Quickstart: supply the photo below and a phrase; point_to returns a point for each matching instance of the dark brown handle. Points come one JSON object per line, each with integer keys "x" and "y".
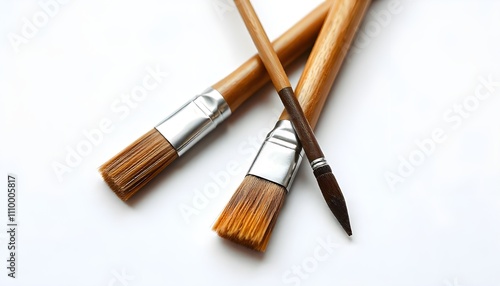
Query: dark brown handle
{"x": 300, "y": 124}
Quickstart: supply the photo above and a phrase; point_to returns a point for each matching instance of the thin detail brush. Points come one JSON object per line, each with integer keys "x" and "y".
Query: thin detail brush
{"x": 131, "y": 169}
{"x": 250, "y": 215}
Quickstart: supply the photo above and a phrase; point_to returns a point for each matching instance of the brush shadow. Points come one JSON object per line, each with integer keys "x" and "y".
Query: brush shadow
{"x": 101, "y": 184}
{"x": 239, "y": 249}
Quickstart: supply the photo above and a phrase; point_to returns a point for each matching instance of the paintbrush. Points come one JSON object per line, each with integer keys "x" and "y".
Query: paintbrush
{"x": 322, "y": 171}
{"x": 136, "y": 165}
{"x": 250, "y": 215}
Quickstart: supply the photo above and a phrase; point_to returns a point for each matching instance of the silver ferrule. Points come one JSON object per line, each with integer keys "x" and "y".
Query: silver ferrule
{"x": 318, "y": 163}
{"x": 194, "y": 120}
{"x": 279, "y": 156}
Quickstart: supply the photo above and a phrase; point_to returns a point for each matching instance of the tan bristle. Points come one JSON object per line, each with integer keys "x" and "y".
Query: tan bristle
{"x": 249, "y": 217}
{"x": 132, "y": 168}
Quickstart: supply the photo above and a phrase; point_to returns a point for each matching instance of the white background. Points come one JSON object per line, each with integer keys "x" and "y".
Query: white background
{"x": 438, "y": 227}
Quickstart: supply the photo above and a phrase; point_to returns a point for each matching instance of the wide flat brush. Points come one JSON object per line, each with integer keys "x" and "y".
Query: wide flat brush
{"x": 252, "y": 212}
{"x": 322, "y": 171}
{"x": 136, "y": 165}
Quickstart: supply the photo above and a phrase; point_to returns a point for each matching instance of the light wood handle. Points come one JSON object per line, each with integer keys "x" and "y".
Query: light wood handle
{"x": 237, "y": 87}
{"x": 263, "y": 45}
{"x": 327, "y": 56}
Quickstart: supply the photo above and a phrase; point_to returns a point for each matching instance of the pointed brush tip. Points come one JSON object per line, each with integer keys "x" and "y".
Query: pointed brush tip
{"x": 343, "y": 220}
{"x": 348, "y": 230}
{"x": 333, "y": 197}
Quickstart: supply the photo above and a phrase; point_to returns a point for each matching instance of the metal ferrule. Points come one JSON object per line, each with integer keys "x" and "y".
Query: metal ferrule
{"x": 318, "y": 163}
{"x": 194, "y": 120}
{"x": 279, "y": 156}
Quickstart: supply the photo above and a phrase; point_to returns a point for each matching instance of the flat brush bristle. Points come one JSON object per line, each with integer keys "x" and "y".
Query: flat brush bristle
{"x": 131, "y": 169}
{"x": 249, "y": 217}
{"x": 333, "y": 196}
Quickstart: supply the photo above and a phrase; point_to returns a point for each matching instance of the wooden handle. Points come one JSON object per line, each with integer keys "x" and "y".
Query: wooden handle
{"x": 327, "y": 56}
{"x": 263, "y": 45}
{"x": 280, "y": 80}
{"x": 237, "y": 87}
